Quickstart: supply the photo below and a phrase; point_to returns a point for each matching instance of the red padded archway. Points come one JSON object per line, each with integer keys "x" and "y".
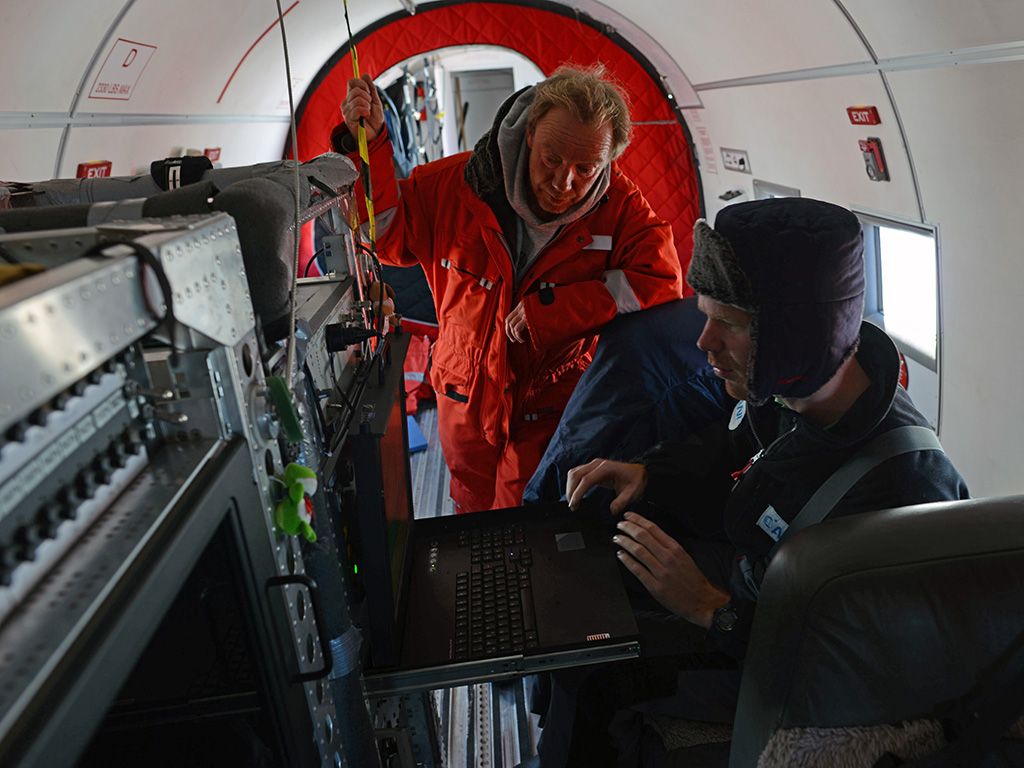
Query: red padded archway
{"x": 658, "y": 159}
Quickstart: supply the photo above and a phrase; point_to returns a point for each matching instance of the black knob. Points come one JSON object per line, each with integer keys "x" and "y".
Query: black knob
{"x": 49, "y": 519}
{"x": 117, "y": 454}
{"x": 16, "y": 432}
{"x": 133, "y": 442}
{"x": 26, "y": 539}
{"x": 102, "y": 469}
{"x": 39, "y": 416}
{"x": 8, "y": 562}
{"x": 85, "y": 485}
{"x": 67, "y": 502}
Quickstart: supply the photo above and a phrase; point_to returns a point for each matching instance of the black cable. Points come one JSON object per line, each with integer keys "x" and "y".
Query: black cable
{"x": 311, "y": 392}
{"x": 147, "y": 258}
{"x": 378, "y": 271}
{"x": 305, "y": 272}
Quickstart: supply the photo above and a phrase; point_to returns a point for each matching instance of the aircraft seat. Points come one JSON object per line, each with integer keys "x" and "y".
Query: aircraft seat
{"x": 873, "y": 630}
{"x": 878, "y": 633}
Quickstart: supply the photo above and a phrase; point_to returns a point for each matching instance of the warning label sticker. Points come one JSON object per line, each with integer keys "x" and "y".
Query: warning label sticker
{"x": 121, "y": 70}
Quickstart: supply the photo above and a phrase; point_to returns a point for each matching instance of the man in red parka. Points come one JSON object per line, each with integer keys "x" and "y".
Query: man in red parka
{"x": 530, "y": 243}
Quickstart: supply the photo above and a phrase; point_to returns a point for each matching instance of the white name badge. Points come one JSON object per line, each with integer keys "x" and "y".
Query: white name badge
{"x": 600, "y": 243}
{"x": 772, "y": 523}
{"x": 737, "y": 415}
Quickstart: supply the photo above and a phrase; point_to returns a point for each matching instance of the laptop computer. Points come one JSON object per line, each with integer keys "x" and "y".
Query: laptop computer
{"x": 450, "y": 600}
{"x": 506, "y": 592}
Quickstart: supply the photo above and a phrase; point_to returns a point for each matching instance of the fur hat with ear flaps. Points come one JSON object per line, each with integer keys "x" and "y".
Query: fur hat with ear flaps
{"x": 798, "y": 266}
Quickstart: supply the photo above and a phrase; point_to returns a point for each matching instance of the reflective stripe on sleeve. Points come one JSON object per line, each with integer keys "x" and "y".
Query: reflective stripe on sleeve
{"x": 384, "y": 220}
{"x": 618, "y": 286}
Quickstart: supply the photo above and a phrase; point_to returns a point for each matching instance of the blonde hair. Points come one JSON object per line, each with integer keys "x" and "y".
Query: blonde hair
{"x": 590, "y": 97}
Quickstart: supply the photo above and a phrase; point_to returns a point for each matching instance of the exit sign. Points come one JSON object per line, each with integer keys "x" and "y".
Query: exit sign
{"x": 95, "y": 169}
{"x": 863, "y": 115}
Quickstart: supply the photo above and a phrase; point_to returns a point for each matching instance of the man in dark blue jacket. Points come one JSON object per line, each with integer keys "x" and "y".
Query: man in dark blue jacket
{"x": 781, "y": 283}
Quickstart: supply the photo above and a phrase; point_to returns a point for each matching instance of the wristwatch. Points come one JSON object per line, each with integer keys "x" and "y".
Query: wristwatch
{"x": 725, "y": 618}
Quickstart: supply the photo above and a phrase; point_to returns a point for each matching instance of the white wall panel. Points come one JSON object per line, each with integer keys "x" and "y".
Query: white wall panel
{"x": 132, "y": 148}
{"x": 797, "y": 134}
{"x": 909, "y": 27}
{"x": 964, "y": 126}
{"x": 715, "y": 40}
{"x": 45, "y": 47}
{"x": 198, "y": 51}
{"x": 27, "y": 155}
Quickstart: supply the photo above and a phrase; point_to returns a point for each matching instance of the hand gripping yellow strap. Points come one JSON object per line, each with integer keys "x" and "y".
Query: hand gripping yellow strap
{"x": 364, "y": 152}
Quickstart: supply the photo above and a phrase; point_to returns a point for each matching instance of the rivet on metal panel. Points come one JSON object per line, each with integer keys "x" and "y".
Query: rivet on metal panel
{"x": 31, "y": 318}
{"x": 69, "y": 301}
{"x": 84, "y": 293}
{"x": 7, "y": 331}
{"x": 129, "y": 273}
{"x": 50, "y": 309}
{"x": 116, "y": 279}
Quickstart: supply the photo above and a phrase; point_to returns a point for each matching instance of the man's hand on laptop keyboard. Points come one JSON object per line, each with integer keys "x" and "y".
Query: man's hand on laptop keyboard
{"x": 628, "y": 481}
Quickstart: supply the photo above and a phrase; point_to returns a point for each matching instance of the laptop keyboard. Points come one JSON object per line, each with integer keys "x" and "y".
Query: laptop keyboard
{"x": 494, "y": 610}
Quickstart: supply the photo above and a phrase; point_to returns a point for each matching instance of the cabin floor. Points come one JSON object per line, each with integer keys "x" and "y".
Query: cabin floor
{"x": 487, "y": 725}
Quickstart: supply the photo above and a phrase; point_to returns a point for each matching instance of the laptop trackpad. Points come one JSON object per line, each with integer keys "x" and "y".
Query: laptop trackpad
{"x": 567, "y": 542}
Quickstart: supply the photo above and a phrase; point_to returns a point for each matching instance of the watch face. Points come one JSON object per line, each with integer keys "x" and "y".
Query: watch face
{"x": 725, "y": 618}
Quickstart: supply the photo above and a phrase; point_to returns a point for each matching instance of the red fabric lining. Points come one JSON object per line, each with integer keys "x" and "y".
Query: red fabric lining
{"x": 658, "y": 159}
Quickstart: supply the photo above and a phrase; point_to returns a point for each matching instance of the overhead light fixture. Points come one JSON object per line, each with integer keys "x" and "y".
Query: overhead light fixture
{"x": 409, "y": 5}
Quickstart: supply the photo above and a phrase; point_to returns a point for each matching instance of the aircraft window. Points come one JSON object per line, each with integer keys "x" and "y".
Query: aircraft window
{"x": 902, "y": 271}
{"x": 901, "y": 262}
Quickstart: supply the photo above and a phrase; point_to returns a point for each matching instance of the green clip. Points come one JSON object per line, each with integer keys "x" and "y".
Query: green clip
{"x": 284, "y": 406}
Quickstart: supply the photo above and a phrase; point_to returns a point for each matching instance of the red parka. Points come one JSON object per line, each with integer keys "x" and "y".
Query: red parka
{"x": 499, "y": 402}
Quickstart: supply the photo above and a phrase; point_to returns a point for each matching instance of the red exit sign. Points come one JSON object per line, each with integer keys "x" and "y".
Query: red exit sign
{"x": 863, "y": 115}
{"x": 95, "y": 169}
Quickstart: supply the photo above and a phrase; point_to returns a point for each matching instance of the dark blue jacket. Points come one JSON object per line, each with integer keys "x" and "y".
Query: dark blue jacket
{"x": 647, "y": 383}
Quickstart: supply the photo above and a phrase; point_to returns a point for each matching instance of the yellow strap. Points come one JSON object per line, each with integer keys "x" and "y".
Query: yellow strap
{"x": 364, "y": 151}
